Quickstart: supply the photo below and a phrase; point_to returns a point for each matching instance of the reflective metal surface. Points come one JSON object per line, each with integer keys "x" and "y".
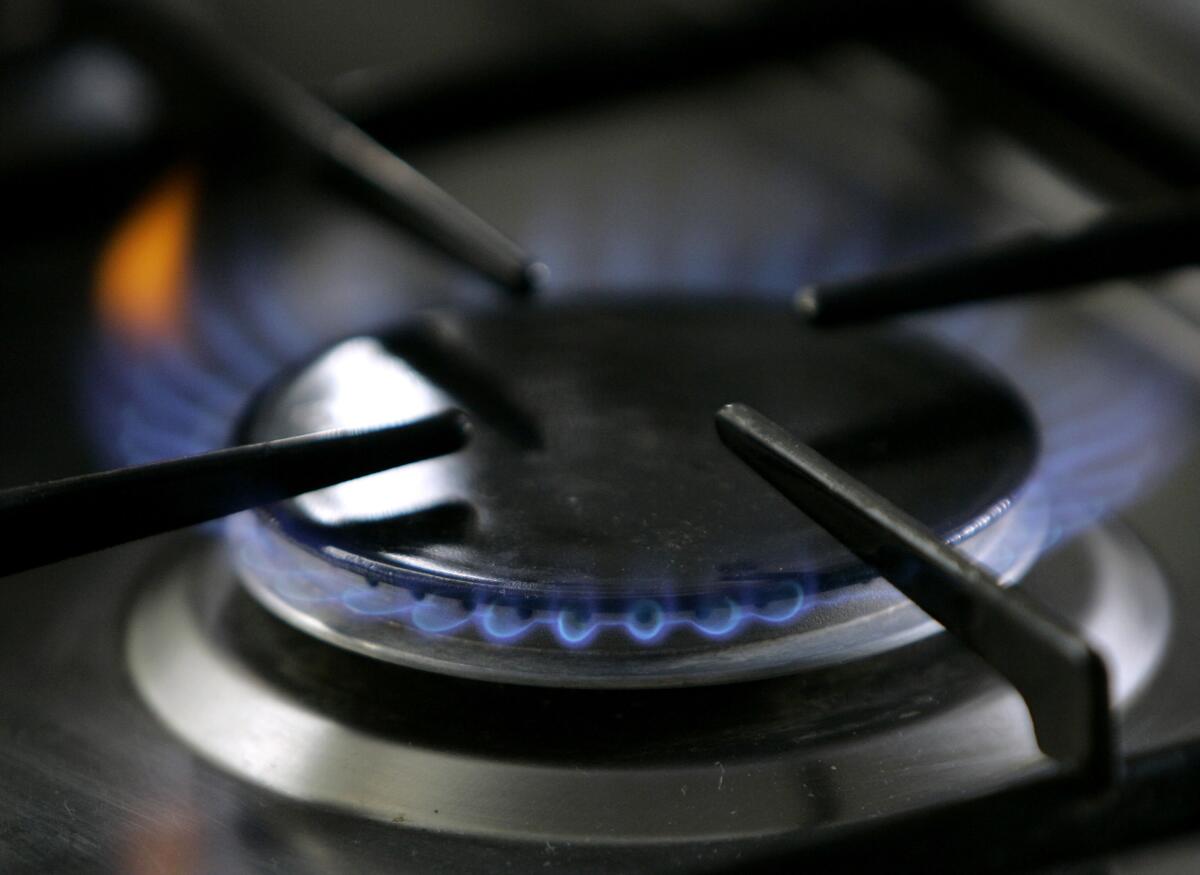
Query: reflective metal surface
{"x": 308, "y": 721}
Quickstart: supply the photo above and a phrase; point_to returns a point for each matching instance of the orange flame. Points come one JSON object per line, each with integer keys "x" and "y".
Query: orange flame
{"x": 142, "y": 274}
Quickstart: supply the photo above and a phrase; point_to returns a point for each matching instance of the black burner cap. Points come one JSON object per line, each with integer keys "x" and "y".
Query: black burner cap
{"x": 595, "y": 470}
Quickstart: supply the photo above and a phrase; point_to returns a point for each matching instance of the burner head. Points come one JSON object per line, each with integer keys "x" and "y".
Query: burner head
{"x": 595, "y": 520}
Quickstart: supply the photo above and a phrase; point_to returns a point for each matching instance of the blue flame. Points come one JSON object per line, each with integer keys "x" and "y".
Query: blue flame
{"x": 299, "y": 577}
{"x": 1111, "y": 424}
{"x": 1112, "y": 419}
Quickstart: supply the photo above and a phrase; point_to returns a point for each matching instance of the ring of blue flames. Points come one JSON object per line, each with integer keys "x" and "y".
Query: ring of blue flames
{"x": 301, "y": 579}
{"x": 1112, "y": 419}
{"x": 297, "y": 575}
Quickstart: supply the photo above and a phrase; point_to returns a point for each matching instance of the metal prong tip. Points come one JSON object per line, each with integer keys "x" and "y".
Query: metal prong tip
{"x": 534, "y": 278}
{"x": 807, "y": 303}
{"x": 459, "y": 426}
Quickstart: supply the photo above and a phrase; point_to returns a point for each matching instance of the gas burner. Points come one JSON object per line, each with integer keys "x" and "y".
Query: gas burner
{"x": 595, "y": 533}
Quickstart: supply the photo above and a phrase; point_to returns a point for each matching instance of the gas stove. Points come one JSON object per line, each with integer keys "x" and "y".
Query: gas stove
{"x": 651, "y": 567}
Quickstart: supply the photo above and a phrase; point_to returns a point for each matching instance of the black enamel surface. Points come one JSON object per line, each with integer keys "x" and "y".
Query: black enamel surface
{"x": 594, "y": 469}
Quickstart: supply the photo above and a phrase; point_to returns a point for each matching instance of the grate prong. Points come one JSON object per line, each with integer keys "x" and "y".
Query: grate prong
{"x": 191, "y": 55}
{"x": 46, "y": 522}
{"x": 1061, "y": 677}
{"x": 1128, "y": 242}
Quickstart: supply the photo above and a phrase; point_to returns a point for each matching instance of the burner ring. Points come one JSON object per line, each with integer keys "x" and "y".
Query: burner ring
{"x": 289, "y": 715}
{"x": 595, "y": 509}
{"x": 852, "y": 623}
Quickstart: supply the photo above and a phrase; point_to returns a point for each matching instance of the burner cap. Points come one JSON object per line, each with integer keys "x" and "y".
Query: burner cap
{"x": 595, "y": 486}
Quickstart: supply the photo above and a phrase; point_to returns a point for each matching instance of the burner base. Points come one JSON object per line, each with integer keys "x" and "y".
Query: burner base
{"x": 286, "y": 712}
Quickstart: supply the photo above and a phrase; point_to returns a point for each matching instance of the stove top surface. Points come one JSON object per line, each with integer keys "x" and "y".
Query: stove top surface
{"x": 269, "y": 694}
